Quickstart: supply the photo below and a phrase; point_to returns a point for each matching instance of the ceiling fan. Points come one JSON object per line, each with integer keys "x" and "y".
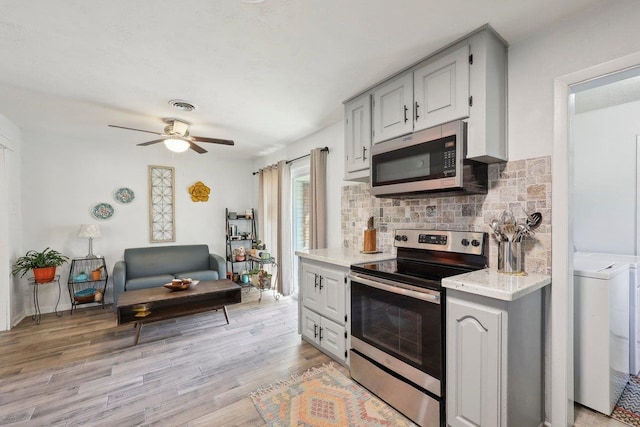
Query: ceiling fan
{"x": 177, "y": 138}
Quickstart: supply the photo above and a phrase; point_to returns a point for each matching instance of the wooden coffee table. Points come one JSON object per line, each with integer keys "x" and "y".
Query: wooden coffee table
{"x": 165, "y": 304}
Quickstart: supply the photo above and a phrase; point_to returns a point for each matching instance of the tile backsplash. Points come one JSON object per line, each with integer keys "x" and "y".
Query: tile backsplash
{"x": 516, "y": 185}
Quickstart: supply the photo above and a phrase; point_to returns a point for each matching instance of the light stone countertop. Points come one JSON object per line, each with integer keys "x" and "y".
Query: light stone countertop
{"x": 342, "y": 256}
{"x": 490, "y": 283}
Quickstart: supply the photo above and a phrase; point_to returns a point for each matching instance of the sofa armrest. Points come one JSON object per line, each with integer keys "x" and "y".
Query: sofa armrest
{"x": 119, "y": 279}
{"x": 216, "y": 262}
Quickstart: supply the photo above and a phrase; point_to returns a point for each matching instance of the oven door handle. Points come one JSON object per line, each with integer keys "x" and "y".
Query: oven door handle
{"x": 397, "y": 288}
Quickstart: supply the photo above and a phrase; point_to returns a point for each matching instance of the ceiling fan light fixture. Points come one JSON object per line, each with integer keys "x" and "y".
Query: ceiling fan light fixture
{"x": 176, "y": 145}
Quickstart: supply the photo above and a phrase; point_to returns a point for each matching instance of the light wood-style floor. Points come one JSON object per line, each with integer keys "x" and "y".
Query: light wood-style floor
{"x": 585, "y": 417}
{"x": 196, "y": 371}
{"x": 82, "y": 369}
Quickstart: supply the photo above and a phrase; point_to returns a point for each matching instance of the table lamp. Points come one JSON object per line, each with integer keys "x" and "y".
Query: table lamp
{"x": 90, "y": 231}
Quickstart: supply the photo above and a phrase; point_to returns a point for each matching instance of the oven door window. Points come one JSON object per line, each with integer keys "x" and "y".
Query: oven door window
{"x": 407, "y": 328}
{"x": 420, "y": 162}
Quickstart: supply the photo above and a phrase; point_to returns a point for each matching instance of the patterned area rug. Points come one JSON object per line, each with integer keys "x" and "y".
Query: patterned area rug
{"x": 627, "y": 410}
{"x": 323, "y": 397}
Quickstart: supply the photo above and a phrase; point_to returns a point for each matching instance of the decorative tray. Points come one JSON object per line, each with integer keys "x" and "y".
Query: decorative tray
{"x": 84, "y": 295}
{"x": 181, "y": 286}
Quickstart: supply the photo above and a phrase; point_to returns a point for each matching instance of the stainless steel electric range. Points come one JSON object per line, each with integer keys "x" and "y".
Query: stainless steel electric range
{"x": 398, "y": 319}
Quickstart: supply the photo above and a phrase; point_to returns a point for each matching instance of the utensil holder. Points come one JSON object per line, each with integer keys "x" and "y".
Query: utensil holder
{"x": 510, "y": 257}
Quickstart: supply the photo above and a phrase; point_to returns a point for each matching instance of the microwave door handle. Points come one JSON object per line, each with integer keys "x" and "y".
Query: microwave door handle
{"x": 398, "y": 289}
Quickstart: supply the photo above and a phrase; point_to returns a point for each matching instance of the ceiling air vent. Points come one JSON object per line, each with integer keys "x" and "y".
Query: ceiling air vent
{"x": 181, "y": 105}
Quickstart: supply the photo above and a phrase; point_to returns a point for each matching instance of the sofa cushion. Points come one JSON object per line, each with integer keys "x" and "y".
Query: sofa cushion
{"x": 199, "y": 275}
{"x": 148, "y": 282}
{"x": 144, "y": 262}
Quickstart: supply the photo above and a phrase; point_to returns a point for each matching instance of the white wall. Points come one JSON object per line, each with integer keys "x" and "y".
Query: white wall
{"x": 332, "y": 137}
{"x": 604, "y": 193}
{"x": 11, "y": 304}
{"x": 604, "y": 32}
{"x": 62, "y": 179}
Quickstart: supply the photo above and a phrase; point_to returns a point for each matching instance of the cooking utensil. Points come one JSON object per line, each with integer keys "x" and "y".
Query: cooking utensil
{"x": 522, "y": 230}
{"x": 497, "y": 232}
{"x": 508, "y": 223}
{"x": 533, "y": 220}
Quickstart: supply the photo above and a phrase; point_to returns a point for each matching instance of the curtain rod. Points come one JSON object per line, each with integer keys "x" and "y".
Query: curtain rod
{"x": 297, "y": 158}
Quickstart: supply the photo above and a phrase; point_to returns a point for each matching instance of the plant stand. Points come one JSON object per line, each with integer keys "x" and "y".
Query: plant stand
{"x": 261, "y": 286}
{"x": 37, "y": 315}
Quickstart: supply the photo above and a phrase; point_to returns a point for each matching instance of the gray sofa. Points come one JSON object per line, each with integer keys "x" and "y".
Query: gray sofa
{"x": 154, "y": 266}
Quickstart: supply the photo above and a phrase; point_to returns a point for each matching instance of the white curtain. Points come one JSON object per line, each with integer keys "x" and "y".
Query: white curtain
{"x": 274, "y": 221}
{"x": 268, "y": 209}
{"x": 318, "y": 183}
{"x": 285, "y": 250}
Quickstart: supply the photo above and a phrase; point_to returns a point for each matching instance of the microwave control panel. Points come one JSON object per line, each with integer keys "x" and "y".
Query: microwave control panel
{"x": 449, "y": 159}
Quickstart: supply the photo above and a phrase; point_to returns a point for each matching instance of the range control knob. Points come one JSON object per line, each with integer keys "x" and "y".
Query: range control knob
{"x": 475, "y": 243}
{"x": 465, "y": 242}
{"x": 398, "y": 237}
{"x": 405, "y": 238}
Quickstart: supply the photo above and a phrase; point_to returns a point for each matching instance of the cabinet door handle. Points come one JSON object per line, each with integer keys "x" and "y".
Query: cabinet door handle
{"x": 364, "y": 153}
{"x": 406, "y": 119}
{"x": 320, "y": 333}
{"x": 315, "y": 280}
{"x": 417, "y": 106}
{"x": 315, "y": 330}
{"x": 320, "y": 282}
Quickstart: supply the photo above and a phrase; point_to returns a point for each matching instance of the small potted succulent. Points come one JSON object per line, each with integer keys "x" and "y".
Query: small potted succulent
{"x": 43, "y": 264}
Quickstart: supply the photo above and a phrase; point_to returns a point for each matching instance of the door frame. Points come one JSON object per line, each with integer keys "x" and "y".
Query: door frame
{"x": 562, "y": 397}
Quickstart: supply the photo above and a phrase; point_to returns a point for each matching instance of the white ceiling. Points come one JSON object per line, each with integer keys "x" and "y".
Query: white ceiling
{"x": 264, "y": 74}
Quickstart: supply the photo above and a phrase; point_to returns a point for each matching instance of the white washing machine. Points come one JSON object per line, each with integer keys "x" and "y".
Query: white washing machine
{"x": 601, "y": 332}
{"x": 634, "y": 301}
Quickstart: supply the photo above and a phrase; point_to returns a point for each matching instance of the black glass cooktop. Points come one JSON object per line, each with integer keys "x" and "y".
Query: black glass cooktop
{"x": 417, "y": 273}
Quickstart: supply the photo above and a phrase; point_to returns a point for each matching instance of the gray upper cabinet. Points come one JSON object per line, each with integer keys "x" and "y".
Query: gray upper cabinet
{"x": 393, "y": 108}
{"x": 487, "y": 123}
{"x": 441, "y": 90}
{"x": 466, "y": 80}
{"x": 357, "y": 137}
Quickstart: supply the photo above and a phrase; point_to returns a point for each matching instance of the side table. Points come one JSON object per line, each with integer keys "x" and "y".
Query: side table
{"x": 37, "y": 316}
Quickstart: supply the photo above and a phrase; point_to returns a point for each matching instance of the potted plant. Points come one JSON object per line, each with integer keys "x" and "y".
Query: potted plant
{"x": 255, "y": 276}
{"x": 97, "y": 273}
{"x": 42, "y": 263}
{"x": 265, "y": 280}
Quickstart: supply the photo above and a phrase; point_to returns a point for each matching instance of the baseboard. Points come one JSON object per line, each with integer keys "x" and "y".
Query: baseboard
{"x": 18, "y": 318}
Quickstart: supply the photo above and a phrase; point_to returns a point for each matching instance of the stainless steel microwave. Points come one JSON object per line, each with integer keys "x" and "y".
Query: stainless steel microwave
{"x": 428, "y": 161}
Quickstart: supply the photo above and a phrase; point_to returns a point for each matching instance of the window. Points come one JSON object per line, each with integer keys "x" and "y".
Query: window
{"x": 301, "y": 215}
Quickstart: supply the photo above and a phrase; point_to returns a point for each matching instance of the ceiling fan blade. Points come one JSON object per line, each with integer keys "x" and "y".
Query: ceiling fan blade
{"x": 212, "y": 140}
{"x": 155, "y": 141}
{"x": 138, "y": 130}
{"x": 197, "y": 148}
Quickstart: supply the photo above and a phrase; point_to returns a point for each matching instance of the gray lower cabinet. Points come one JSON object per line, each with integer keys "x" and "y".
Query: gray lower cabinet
{"x": 494, "y": 363}
{"x": 324, "y": 307}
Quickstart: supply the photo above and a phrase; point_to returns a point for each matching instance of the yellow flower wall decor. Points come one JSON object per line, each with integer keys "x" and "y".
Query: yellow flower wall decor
{"x": 199, "y": 192}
